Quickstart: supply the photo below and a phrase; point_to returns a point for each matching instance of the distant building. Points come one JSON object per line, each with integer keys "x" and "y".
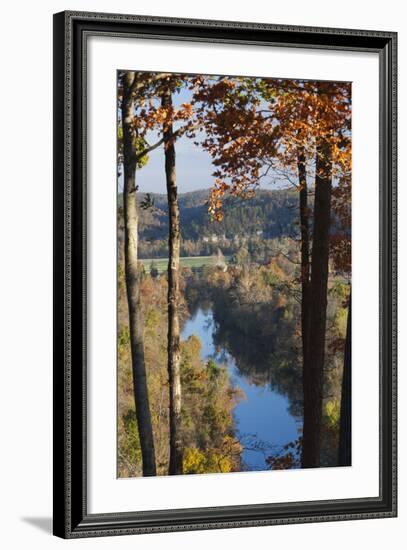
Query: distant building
{"x": 219, "y": 261}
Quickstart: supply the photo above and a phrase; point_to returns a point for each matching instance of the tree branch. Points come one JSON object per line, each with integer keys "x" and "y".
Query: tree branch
{"x": 148, "y": 149}
{"x": 137, "y": 85}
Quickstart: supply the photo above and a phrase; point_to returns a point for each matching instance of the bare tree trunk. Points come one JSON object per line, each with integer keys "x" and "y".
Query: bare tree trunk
{"x": 345, "y": 428}
{"x": 133, "y": 283}
{"x": 305, "y": 254}
{"x": 314, "y": 368}
{"x": 174, "y": 355}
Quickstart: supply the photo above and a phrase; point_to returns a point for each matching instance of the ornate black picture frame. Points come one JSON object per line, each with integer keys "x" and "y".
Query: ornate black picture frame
{"x": 71, "y": 518}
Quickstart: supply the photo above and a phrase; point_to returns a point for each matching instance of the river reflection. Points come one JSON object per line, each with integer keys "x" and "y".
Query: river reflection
{"x": 264, "y": 418}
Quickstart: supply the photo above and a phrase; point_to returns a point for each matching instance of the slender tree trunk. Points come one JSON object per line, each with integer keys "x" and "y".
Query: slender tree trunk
{"x": 314, "y": 368}
{"x": 133, "y": 284}
{"x": 345, "y": 430}
{"x": 305, "y": 251}
{"x": 174, "y": 355}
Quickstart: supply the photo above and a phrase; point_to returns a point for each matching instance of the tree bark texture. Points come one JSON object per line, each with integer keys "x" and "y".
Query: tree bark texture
{"x": 174, "y": 352}
{"x": 314, "y": 365}
{"x": 305, "y": 253}
{"x": 345, "y": 428}
{"x": 132, "y": 276}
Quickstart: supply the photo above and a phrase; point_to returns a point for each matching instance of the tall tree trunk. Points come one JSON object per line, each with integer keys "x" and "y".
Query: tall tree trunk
{"x": 314, "y": 367}
{"x": 305, "y": 251}
{"x": 133, "y": 283}
{"x": 174, "y": 354}
{"x": 345, "y": 430}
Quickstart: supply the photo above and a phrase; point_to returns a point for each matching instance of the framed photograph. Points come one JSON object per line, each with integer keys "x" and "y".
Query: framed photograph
{"x": 224, "y": 274}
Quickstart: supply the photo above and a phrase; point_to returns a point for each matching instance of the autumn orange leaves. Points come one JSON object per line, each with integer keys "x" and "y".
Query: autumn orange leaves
{"x": 255, "y": 130}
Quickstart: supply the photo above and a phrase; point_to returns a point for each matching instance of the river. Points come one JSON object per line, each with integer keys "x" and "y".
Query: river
{"x": 263, "y": 420}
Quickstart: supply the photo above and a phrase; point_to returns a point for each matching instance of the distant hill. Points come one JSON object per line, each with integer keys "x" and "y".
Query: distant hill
{"x": 269, "y": 214}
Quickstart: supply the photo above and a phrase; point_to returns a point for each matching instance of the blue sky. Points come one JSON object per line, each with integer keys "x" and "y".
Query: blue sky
{"x": 193, "y": 164}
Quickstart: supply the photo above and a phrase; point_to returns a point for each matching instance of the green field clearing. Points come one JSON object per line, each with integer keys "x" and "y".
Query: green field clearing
{"x": 187, "y": 261}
